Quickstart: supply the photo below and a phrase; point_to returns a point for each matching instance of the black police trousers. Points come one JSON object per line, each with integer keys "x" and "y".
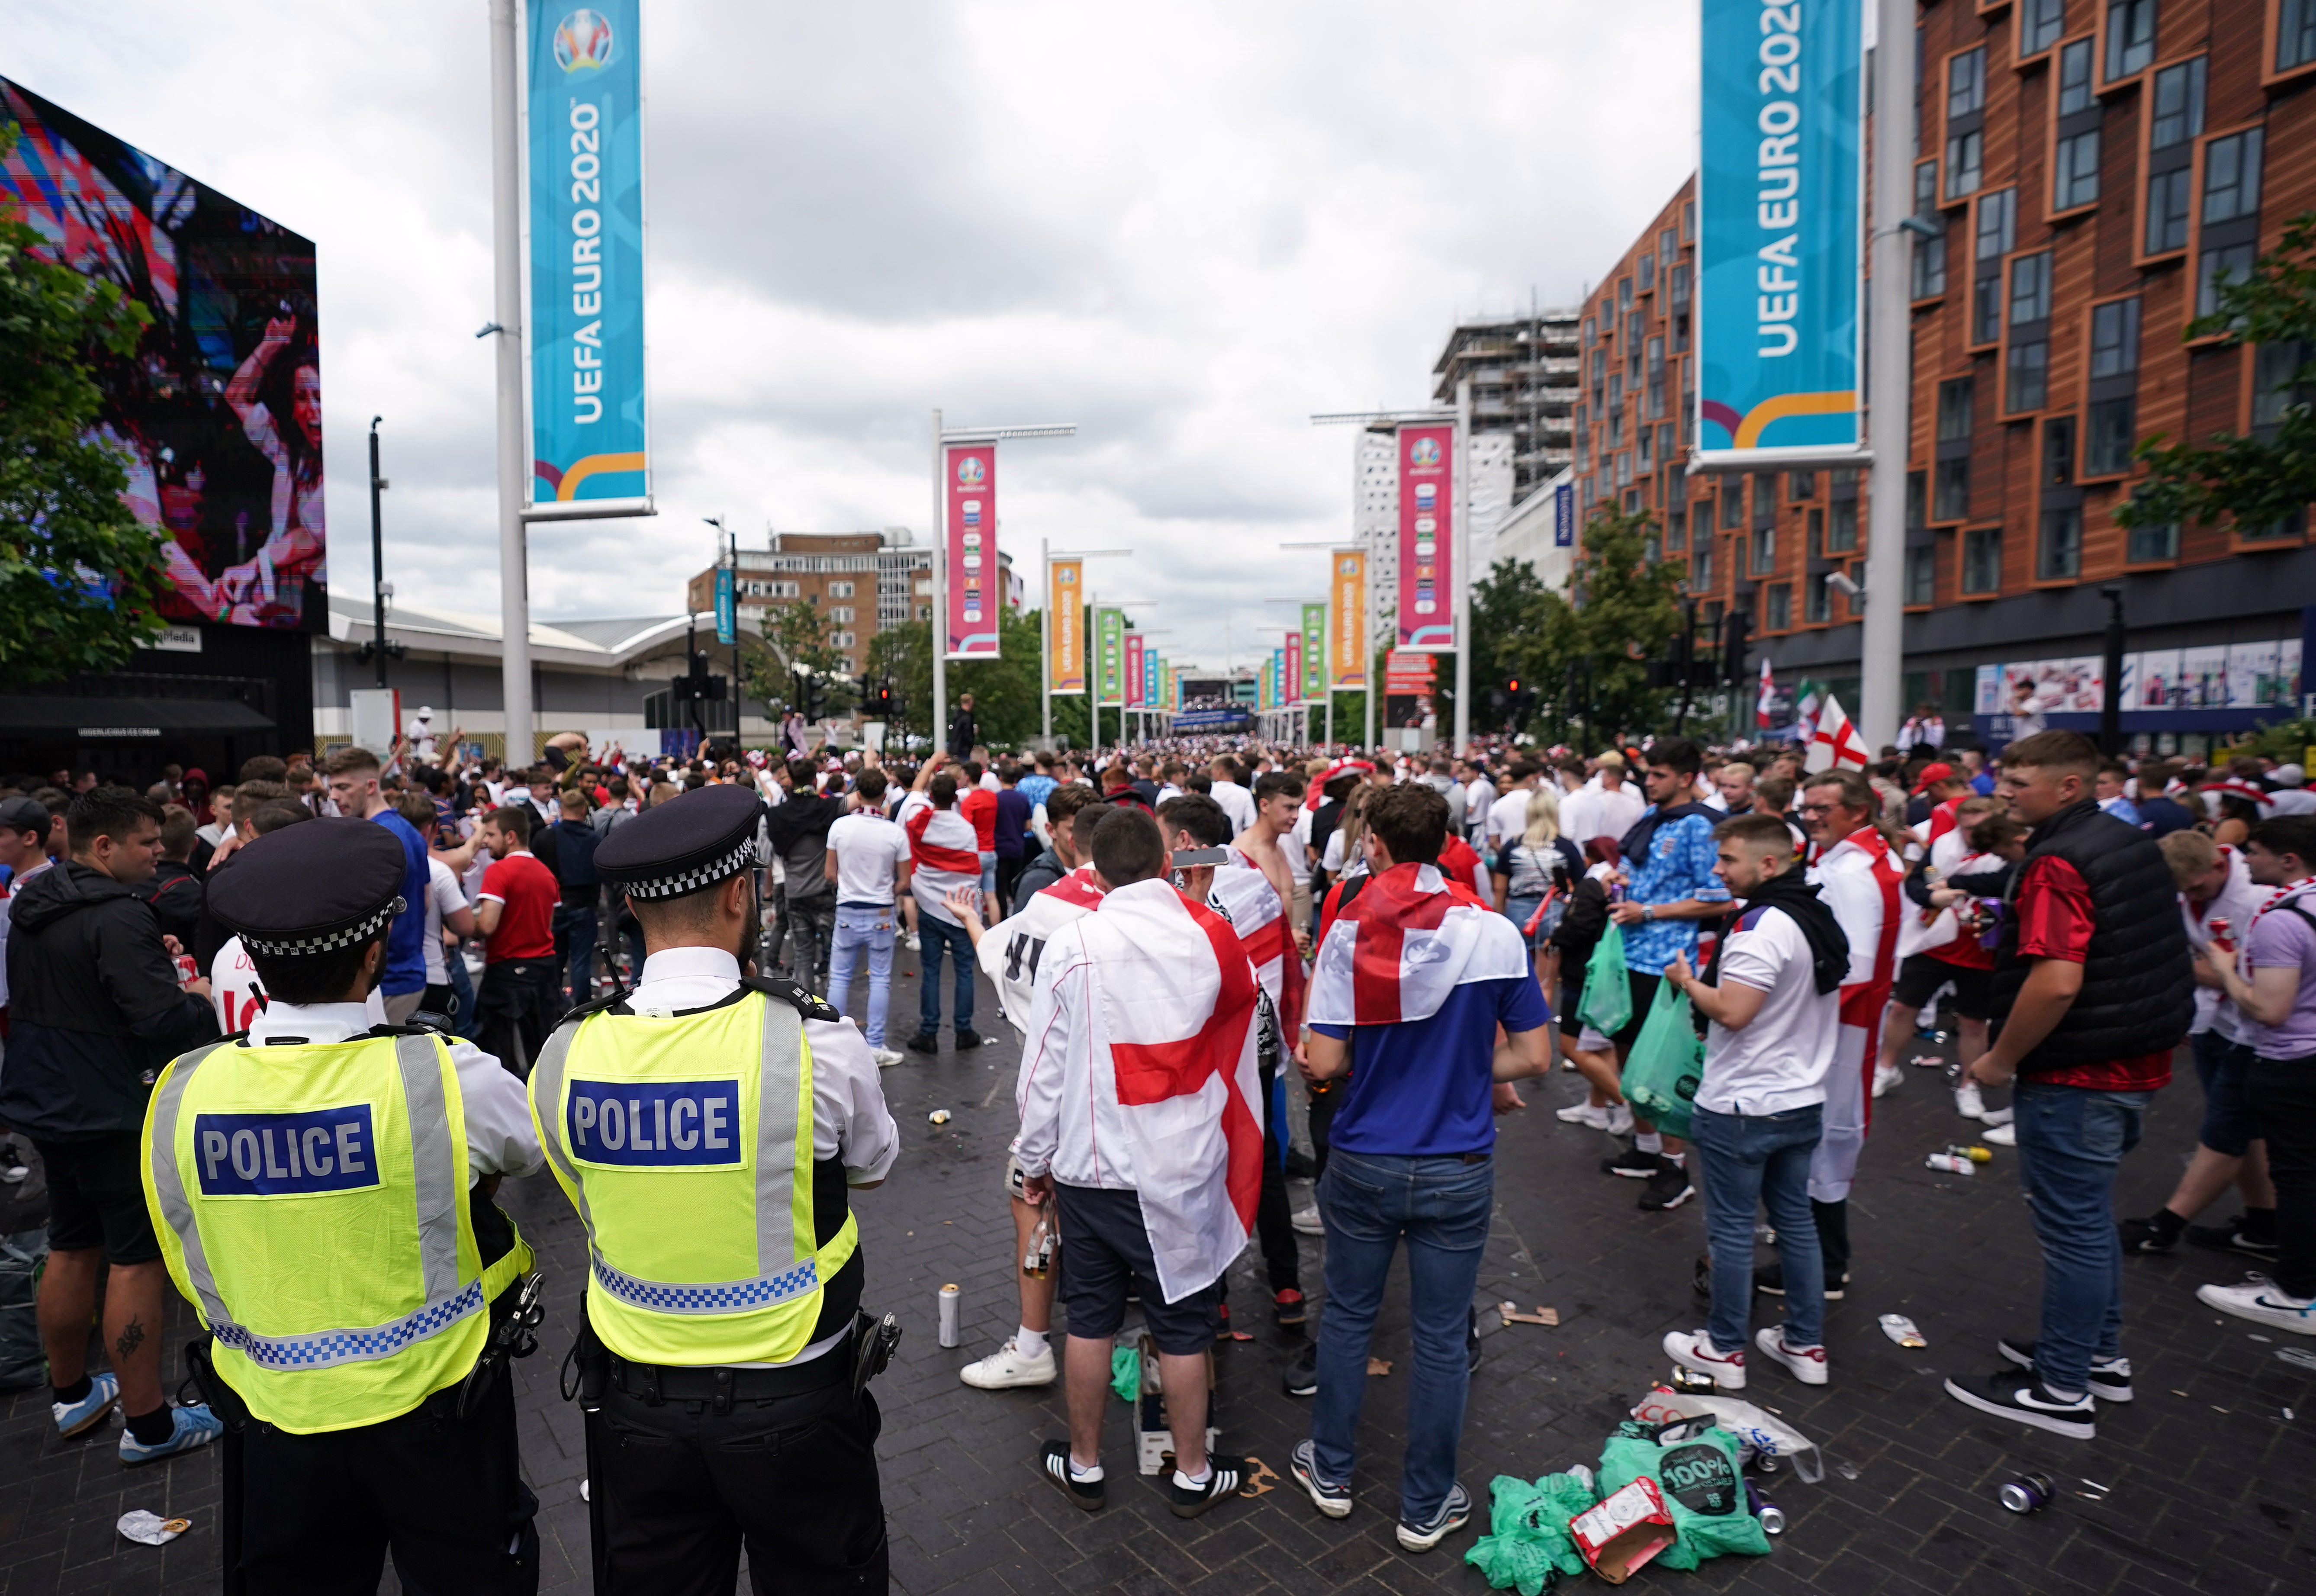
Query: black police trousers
{"x": 319, "y": 1512}
{"x": 679, "y": 1488}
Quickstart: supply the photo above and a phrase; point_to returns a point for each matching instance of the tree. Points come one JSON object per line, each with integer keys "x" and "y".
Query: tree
{"x": 1004, "y": 690}
{"x": 81, "y": 577}
{"x": 2270, "y": 475}
{"x": 797, "y": 637}
{"x": 1626, "y": 613}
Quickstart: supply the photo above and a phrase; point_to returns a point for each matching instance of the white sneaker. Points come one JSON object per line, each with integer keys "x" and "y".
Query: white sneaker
{"x": 1693, "y": 1349}
{"x": 1805, "y": 1364}
{"x": 1306, "y": 1221}
{"x": 1585, "y": 1113}
{"x": 2000, "y": 1136}
{"x": 1620, "y": 1120}
{"x": 2263, "y": 1302}
{"x": 1969, "y": 1101}
{"x": 914, "y": 944}
{"x": 1999, "y": 1116}
{"x": 1006, "y": 1367}
{"x": 886, "y": 1057}
{"x": 1887, "y": 1078}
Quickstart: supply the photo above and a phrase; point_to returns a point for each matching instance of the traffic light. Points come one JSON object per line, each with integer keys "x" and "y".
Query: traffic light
{"x": 816, "y": 698}
{"x": 1734, "y": 626}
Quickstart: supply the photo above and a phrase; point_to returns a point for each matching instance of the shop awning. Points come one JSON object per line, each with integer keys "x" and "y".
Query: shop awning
{"x": 99, "y": 719}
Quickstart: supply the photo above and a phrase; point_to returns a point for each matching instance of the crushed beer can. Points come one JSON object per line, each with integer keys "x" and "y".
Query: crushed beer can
{"x": 2029, "y": 1494}
{"x": 1950, "y": 1163}
{"x": 1772, "y": 1516}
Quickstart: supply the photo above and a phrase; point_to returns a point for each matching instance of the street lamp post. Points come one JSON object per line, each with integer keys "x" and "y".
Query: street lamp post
{"x": 1889, "y": 378}
{"x": 376, "y": 558}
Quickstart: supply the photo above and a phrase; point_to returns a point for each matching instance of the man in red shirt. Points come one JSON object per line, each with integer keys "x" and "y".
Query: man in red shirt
{"x": 979, "y": 806}
{"x": 2093, "y": 989}
{"x": 521, "y": 998}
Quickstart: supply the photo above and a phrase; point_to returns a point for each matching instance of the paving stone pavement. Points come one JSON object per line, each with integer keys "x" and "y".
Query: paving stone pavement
{"x": 2209, "y": 1477}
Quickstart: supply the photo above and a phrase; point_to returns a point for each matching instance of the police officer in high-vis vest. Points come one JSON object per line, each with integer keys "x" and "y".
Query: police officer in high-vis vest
{"x": 708, "y": 1128}
{"x": 322, "y": 1189}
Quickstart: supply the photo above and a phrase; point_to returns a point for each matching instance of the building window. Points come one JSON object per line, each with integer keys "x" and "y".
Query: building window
{"x": 1801, "y": 484}
{"x": 1965, "y": 163}
{"x": 1585, "y": 332}
{"x": 1954, "y": 406}
{"x": 1676, "y": 284}
{"x": 2075, "y": 78}
{"x": 1765, "y": 551}
{"x": 1921, "y": 574}
{"x": 2040, "y": 23}
{"x": 1701, "y": 566}
{"x": 2058, "y": 552}
{"x": 1817, "y": 599}
{"x": 2232, "y": 265}
{"x": 2149, "y": 544}
{"x": 1647, "y": 460}
{"x": 2114, "y": 339}
{"x": 1624, "y": 468}
{"x": 2130, "y": 37}
{"x": 1624, "y": 296}
{"x": 2027, "y": 384}
{"x": 1929, "y": 253}
{"x": 1952, "y": 497}
{"x": 1656, "y": 369}
{"x": 2178, "y": 106}
{"x": 2295, "y": 34}
{"x": 840, "y": 613}
{"x": 1997, "y": 231}
{"x": 1648, "y": 271}
{"x": 1966, "y": 82}
{"x": 2231, "y": 176}
{"x": 785, "y": 590}
{"x": 2075, "y": 162}
{"x": 2058, "y": 452}
{"x": 1981, "y": 560}
{"x": 1733, "y": 502}
{"x": 1918, "y": 500}
{"x": 1780, "y": 607}
{"x": 1676, "y": 530}
{"x": 1841, "y": 529}
{"x": 2114, "y": 429}
{"x": 2030, "y": 289}
{"x": 2166, "y": 210}
{"x": 839, "y": 590}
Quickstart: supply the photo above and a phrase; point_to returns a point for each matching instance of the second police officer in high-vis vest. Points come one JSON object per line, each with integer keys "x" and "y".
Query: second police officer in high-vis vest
{"x": 322, "y": 1189}
{"x": 708, "y": 1128}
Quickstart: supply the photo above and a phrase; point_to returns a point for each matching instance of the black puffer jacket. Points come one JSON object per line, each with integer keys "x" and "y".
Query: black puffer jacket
{"x": 2139, "y": 991}
{"x": 95, "y": 1011}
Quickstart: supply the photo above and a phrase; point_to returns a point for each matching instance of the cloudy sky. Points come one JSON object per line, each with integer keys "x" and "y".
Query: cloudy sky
{"x": 1183, "y": 228}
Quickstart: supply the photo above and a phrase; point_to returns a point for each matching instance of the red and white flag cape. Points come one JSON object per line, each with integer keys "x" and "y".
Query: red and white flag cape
{"x": 943, "y": 853}
{"x": 1767, "y": 697}
{"x": 1175, "y": 997}
{"x": 1243, "y": 896}
{"x": 1398, "y": 950}
{"x": 1835, "y": 742}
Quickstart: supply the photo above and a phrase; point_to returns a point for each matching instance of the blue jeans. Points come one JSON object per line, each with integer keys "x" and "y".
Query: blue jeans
{"x": 1440, "y": 1207}
{"x": 1744, "y": 1159}
{"x": 936, "y": 936}
{"x": 576, "y": 929}
{"x": 469, "y": 1023}
{"x": 2072, "y": 1139}
{"x": 859, "y": 926}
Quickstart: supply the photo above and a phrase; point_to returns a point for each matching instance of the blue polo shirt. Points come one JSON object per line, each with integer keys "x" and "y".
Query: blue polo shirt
{"x": 405, "y": 942}
{"x": 1422, "y": 1088}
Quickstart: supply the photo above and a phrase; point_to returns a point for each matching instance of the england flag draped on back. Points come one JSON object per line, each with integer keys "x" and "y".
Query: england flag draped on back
{"x": 1409, "y": 939}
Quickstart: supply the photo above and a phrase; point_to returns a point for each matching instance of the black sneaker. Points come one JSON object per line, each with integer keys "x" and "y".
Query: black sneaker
{"x": 1054, "y": 1463}
{"x": 924, "y": 1042}
{"x": 2110, "y": 1378}
{"x": 1668, "y": 1187}
{"x": 1302, "y": 1376}
{"x": 2008, "y": 1394}
{"x": 1700, "y": 1279}
{"x": 2149, "y": 1235}
{"x": 1632, "y": 1164}
{"x": 1226, "y": 1477}
{"x": 966, "y": 1040}
{"x": 1770, "y": 1280}
{"x": 1287, "y": 1309}
{"x": 2228, "y": 1237}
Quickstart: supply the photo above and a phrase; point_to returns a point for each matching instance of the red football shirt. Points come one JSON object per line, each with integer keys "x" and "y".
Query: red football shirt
{"x": 2055, "y": 922}
{"x": 979, "y": 806}
{"x": 526, "y": 893}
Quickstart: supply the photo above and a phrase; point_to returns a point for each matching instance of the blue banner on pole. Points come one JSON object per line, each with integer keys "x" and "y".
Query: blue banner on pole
{"x": 1564, "y": 516}
{"x": 728, "y": 609}
{"x": 583, "y": 140}
{"x": 1781, "y": 230}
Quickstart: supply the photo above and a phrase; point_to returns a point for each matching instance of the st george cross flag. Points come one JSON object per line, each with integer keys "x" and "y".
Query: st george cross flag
{"x": 1409, "y": 939}
{"x": 1172, "y": 997}
{"x": 1835, "y": 742}
{"x": 1243, "y": 896}
{"x": 943, "y": 853}
{"x": 1763, "y": 701}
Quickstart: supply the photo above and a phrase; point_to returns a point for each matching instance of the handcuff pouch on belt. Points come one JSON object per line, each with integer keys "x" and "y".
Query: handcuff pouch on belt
{"x": 513, "y": 1334}
{"x": 223, "y": 1400}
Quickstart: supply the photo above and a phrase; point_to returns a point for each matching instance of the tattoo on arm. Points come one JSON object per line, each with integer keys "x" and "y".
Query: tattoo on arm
{"x": 132, "y": 1336}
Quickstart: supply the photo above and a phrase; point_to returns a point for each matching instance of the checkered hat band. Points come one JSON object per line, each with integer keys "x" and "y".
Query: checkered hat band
{"x": 326, "y": 1349}
{"x": 328, "y": 941}
{"x": 704, "y": 875}
{"x": 729, "y": 1296}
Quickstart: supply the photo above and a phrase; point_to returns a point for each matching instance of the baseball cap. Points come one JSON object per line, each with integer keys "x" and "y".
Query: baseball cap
{"x": 1937, "y": 772}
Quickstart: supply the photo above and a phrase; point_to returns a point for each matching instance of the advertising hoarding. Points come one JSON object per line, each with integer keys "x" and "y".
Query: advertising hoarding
{"x": 1314, "y": 653}
{"x": 977, "y": 586}
{"x": 1134, "y": 696}
{"x": 1347, "y": 612}
{"x": 1781, "y": 208}
{"x": 1427, "y": 508}
{"x": 217, "y": 412}
{"x": 1109, "y": 658}
{"x": 1290, "y": 679}
{"x": 1150, "y": 664}
{"x": 1065, "y": 629}
{"x": 584, "y": 255}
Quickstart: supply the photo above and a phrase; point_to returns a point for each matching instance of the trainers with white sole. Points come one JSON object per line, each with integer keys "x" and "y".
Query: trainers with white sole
{"x": 1453, "y": 1515}
{"x": 1620, "y": 1120}
{"x": 1805, "y": 1364}
{"x": 2000, "y": 1136}
{"x": 1694, "y": 1351}
{"x": 1334, "y": 1500}
{"x": 2109, "y": 1379}
{"x": 74, "y": 1417}
{"x": 1887, "y": 1078}
{"x": 2263, "y": 1302}
{"x": 886, "y": 1057}
{"x": 1592, "y": 1115}
{"x": 1007, "y": 1367}
{"x": 1969, "y": 1101}
{"x": 192, "y": 1427}
{"x": 1306, "y": 1221}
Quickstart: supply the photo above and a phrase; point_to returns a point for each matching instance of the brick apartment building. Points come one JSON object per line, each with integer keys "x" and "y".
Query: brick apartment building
{"x": 2093, "y": 164}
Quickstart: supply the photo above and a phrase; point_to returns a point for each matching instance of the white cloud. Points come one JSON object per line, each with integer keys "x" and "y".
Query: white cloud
{"x": 1185, "y": 229}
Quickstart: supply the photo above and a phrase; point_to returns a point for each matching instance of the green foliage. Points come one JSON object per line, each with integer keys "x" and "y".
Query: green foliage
{"x": 2261, "y": 479}
{"x": 797, "y": 636}
{"x": 1625, "y": 615}
{"x": 1004, "y": 690}
{"x": 81, "y": 577}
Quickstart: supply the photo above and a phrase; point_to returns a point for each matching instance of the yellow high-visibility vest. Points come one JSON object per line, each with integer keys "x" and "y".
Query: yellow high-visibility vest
{"x": 685, "y": 1143}
{"x": 311, "y": 1201}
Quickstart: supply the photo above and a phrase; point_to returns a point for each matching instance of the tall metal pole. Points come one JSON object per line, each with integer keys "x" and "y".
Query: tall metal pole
{"x": 1046, "y": 642}
{"x": 940, "y": 632}
{"x": 515, "y": 459}
{"x": 377, "y": 560}
{"x": 1460, "y": 552}
{"x": 2111, "y": 698}
{"x": 1890, "y": 379}
{"x": 739, "y": 697}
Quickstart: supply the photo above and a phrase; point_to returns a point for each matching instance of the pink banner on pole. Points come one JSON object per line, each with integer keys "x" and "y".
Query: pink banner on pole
{"x": 1426, "y": 493}
{"x": 1294, "y": 686}
{"x": 1135, "y": 695}
{"x": 977, "y": 586}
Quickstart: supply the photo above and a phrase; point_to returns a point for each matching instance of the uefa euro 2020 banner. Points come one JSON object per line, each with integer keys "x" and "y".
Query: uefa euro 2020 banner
{"x": 1781, "y": 230}
{"x": 976, "y": 583}
{"x": 217, "y": 413}
{"x": 584, "y": 141}
{"x": 1427, "y": 538}
{"x": 1065, "y": 627}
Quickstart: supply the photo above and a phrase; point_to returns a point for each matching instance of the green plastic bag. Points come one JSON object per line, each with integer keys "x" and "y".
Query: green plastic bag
{"x": 1607, "y": 1005}
{"x": 1529, "y": 1545}
{"x": 1667, "y": 1062}
{"x": 1126, "y": 1373}
{"x": 1702, "y": 1489}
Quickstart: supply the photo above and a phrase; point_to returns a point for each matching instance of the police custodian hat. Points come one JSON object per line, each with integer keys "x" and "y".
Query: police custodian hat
{"x": 311, "y": 889}
{"x": 684, "y": 845}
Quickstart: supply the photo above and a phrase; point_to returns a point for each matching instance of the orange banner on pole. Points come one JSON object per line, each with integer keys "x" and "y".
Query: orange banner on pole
{"x": 1347, "y": 620}
{"x": 1065, "y": 627}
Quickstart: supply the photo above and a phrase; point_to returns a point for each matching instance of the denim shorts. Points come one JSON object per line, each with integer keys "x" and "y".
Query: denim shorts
{"x": 2224, "y": 1067}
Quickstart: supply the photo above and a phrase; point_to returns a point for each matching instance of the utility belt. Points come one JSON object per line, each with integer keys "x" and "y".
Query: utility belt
{"x": 591, "y": 1368}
